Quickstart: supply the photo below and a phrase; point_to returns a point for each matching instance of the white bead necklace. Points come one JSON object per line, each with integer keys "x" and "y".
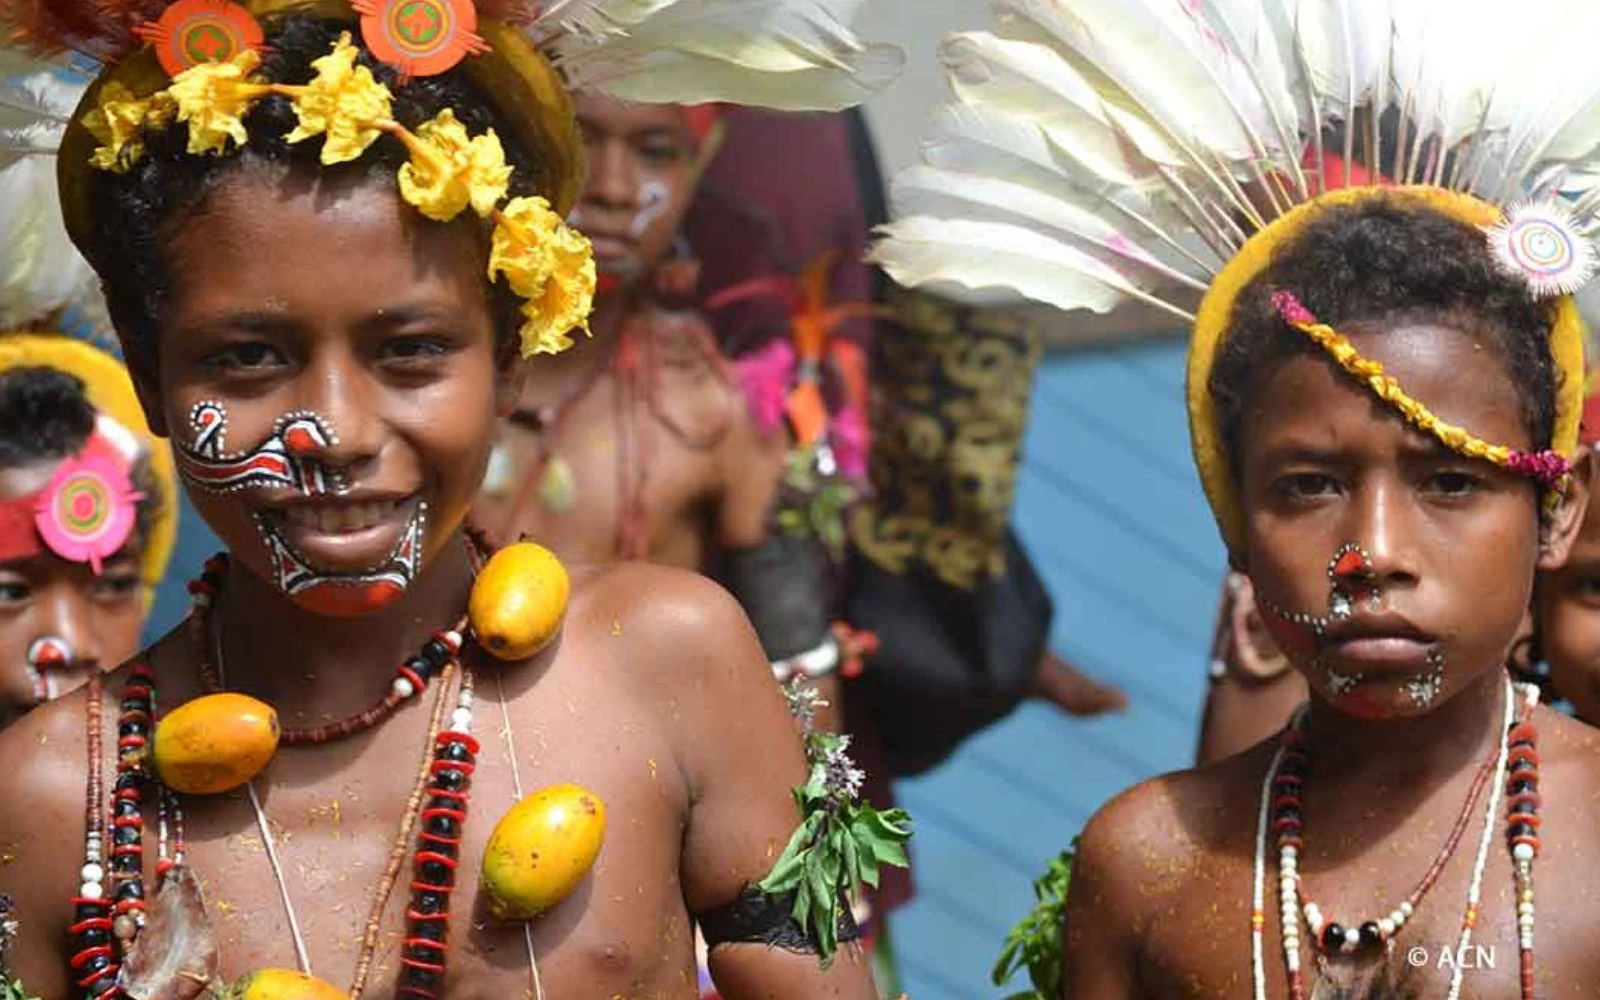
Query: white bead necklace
{"x": 1289, "y": 908}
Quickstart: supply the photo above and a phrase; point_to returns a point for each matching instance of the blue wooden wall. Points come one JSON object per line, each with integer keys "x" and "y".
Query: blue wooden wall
{"x": 1111, "y": 509}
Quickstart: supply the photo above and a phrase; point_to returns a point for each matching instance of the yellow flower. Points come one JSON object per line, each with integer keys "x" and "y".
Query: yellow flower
{"x": 116, "y": 123}
{"x": 448, "y": 171}
{"x": 551, "y": 265}
{"x": 343, "y": 102}
{"x": 214, "y": 98}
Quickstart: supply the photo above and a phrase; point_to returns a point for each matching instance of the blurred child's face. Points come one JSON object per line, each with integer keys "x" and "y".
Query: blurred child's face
{"x": 59, "y": 620}
{"x": 1568, "y": 606}
{"x": 329, "y": 379}
{"x": 639, "y": 184}
{"x": 1417, "y": 561}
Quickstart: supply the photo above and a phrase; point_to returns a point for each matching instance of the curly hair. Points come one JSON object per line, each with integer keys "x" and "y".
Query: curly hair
{"x": 47, "y": 416}
{"x": 137, "y": 212}
{"x": 1385, "y": 262}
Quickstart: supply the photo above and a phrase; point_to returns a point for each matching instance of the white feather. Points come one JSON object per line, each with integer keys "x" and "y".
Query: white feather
{"x": 40, "y": 270}
{"x": 34, "y": 111}
{"x": 1104, "y": 135}
{"x": 788, "y": 54}
{"x": 1159, "y": 61}
{"x": 979, "y": 256}
{"x": 1025, "y": 79}
{"x": 928, "y": 191}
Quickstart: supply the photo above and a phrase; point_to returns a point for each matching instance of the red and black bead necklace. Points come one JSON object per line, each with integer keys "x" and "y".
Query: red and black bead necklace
{"x": 443, "y": 792}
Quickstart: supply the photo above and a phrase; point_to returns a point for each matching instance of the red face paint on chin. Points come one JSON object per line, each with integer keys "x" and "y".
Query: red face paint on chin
{"x": 1361, "y": 706}
{"x": 348, "y": 600}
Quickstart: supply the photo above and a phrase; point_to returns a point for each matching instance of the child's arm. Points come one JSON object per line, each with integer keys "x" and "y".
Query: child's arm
{"x": 752, "y": 466}
{"x": 738, "y": 749}
{"x": 1104, "y": 906}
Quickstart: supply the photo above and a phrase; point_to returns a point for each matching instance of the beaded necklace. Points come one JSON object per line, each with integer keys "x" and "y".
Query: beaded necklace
{"x": 443, "y": 792}
{"x": 1514, "y": 764}
{"x": 411, "y": 678}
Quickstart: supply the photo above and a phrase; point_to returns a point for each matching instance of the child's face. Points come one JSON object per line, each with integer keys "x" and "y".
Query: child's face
{"x": 639, "y": 183}
{"x": 350, "y": 348}
{"x": 59, "y": 620}
{"x": 1568, "y": 603}
{"x": 1439, "y": 550}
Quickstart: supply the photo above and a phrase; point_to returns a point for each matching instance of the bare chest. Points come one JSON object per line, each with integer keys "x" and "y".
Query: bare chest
{"x": 1198, "y": 941}
{"x": 611, "y": 470}
{"x": 334, "y": 889}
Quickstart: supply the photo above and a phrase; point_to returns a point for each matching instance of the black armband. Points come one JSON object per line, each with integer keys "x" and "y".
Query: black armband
{"x": 782, "y": 585}
{"x": 757, "y": 917}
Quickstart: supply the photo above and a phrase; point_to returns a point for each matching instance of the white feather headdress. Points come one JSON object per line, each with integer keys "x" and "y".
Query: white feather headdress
{"x": 41, "y": 272}
{"x": 1101, "y": 151}
{"x": 792, "y": 55}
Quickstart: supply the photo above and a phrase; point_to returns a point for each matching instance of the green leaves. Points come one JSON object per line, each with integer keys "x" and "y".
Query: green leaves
{"x": 839, "y": 846}
{"x": 814, "y": 505}
{"x": 11, "y": 989}
{"x": 1036, "y": 942}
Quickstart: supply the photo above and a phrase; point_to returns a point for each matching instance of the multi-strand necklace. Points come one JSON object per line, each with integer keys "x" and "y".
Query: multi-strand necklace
{"x": 107, "y": 922}
{"x": 1514, "y": 768}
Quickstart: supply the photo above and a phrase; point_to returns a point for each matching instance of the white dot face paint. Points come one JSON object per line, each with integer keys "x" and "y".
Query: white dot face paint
{"x": 654, "y": 197}
{"x": 292, "y": 459}
{"x": 287, "y": 459}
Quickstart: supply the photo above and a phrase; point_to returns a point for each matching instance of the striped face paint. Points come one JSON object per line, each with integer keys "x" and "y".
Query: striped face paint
{"x": 287, "y": 459}
{"x": 344, "y": 594}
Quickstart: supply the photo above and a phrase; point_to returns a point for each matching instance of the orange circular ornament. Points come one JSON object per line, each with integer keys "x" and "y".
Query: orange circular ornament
{"x": 192, "y": 32}
{"x": 420, "y": 37}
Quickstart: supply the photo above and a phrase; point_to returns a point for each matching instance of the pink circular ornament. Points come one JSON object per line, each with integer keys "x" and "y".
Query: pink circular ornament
{"x": 1544, "y": 245}
{"x": 87, "y": 511}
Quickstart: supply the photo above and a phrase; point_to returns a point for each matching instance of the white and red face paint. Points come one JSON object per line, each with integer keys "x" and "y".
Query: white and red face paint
{"x": 345, "y": 594}
{"x": 287, "y": 459}
{"x": 48, "y": 655}
{"x": 292, "y": 458}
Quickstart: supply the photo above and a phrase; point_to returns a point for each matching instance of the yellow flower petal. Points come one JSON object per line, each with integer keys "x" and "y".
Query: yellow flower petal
{"x": 117, "y": 121}
{"x": 449, "y": 171}
{"x": 552, "y": 266}
{"x": 213, "y": 99}
{"x": 343, "y": 102}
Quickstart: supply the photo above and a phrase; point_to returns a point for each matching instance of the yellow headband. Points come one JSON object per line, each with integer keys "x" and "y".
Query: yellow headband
{"x": 1216, "y": 317}
{"x": 110, "y": 391}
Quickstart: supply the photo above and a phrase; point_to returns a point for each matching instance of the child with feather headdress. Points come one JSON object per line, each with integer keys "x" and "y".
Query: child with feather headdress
{"x": 1385, "y": 386}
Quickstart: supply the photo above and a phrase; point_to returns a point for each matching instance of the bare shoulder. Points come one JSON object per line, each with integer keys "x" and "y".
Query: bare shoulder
{"x": 673, "y": 618}
{"x": 1569, "y": 764}
{"x": 1160, "y": 836}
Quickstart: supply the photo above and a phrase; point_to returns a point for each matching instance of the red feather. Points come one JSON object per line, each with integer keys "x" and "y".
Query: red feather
{"x": 99, "y": 29}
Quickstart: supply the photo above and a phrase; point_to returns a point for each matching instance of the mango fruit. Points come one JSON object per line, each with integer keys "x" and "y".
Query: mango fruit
{"x": 541, "y": 850}
{"x": 214, "y": 743}
{"x": 518, "y": 601}
{"x": 281, "y": 984}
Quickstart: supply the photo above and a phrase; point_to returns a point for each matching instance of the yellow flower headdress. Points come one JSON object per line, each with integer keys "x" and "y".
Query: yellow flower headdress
{"x": 1102, "y": 152}
{"x": 196, "y": 66}
{"x": 449, "y": 171}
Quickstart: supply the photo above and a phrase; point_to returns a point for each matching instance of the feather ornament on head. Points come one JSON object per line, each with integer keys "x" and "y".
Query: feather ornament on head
{"x": 1101, "y": 152}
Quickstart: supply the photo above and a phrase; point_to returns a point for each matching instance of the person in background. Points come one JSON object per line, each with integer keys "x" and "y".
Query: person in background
{"x": 88, "y": 497}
